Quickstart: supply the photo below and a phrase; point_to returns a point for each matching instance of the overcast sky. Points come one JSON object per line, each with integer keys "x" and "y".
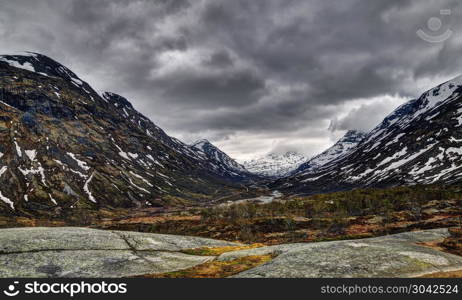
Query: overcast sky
{"x": 251, "y": 76}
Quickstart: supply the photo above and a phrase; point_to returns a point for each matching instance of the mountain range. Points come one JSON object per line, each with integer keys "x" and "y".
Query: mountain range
{"x": 63, "y": 145}
{"x": 346, "y": 144}
{"x": 418, "y": 143}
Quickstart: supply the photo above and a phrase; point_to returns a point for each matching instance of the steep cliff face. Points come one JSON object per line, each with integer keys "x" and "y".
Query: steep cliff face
{"x": 64, "y": 145}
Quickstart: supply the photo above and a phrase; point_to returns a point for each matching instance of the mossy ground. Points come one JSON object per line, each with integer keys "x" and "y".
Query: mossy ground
{"x": 215, "y": 251}
{"x": 452, "y": 274}
{"x": 217, "y": 269}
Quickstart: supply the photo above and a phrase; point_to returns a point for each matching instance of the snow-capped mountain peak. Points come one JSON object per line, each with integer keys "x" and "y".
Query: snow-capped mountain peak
{"x": 202, "y": 145}
{"x": 275, "y": 165}
{"x": 214, "y": 154}
{"x": 418, "y": 143}
{"x": 41, "y": 64}
{"x": 348, "y": 142}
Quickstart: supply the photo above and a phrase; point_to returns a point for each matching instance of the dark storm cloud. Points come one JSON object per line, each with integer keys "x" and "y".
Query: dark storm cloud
{"x": 210, "y": 91}
{"x": 245, "y": 73}
{"x": 219, "y": 59}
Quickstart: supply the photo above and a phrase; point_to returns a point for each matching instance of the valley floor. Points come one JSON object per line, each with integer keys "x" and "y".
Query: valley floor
{"x": 336, "y": 216}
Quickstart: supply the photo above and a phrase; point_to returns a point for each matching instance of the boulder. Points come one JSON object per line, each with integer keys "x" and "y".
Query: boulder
{"x": 83, "y": 252}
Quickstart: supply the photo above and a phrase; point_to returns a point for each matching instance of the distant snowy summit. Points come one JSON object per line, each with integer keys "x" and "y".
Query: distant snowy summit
{"x": 275, "y": 165}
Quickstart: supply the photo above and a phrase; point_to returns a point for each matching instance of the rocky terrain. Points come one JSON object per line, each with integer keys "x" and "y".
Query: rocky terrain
{"x": 64, "y": 146}
{"x": 82, "y": 252}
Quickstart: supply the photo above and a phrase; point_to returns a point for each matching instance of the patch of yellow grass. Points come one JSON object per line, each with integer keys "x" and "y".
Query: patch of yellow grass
{"x": 217, "y": 269}
{"x": 215, "y": 251}
{"x": 453, "y": 274}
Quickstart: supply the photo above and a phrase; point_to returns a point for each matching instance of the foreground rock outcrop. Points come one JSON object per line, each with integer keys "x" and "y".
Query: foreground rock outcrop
{"x": 454, "y": 242}
{"x": 398, "y": 255}
{"x": 82, "y": 252}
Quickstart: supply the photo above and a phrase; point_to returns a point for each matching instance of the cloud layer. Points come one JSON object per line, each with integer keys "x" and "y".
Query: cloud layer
{"x": 251, "y": 76}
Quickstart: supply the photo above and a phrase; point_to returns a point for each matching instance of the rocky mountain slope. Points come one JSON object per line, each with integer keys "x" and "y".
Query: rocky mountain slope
{"x": 420, "y": 142}
{"x": 62, "y": 145}
{"x": 346, "y": 144}
{"x": 275, "y": 165}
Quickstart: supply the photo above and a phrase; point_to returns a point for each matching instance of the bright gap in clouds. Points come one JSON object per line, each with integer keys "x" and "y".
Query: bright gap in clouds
{"x": 363, "y": 114}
